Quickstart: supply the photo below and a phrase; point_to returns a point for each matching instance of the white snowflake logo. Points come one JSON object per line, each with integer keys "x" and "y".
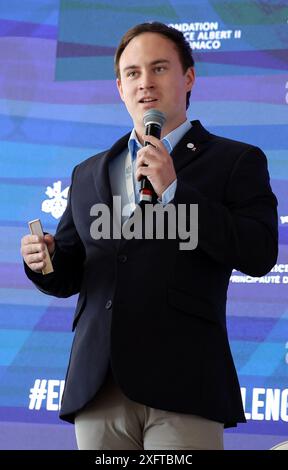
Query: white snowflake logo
{"x": 58, "y": 200}
{"x": 284, "y": 219}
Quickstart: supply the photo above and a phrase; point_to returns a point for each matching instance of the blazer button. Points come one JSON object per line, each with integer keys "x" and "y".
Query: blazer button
{"x": 122, "y": 258}
{"x": 108, "y": 304}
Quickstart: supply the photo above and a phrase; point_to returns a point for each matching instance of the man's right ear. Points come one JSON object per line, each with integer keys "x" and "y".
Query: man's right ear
{"x": 190, "y": 78}
{"x": 120, "y": 89}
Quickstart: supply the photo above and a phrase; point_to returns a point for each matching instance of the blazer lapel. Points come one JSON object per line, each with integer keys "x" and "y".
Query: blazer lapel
{"x": 190, "y": 146}
{"x": 101, "y": 171}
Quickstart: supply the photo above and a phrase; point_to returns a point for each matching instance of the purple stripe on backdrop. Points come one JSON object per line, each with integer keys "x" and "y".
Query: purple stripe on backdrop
{"x": 283, "y": 235}
{"x": 254, "y": 88}
{"x": 29, "y": 416}
{"x": 23, "y": 224}
{"x": 32, "y": 436}
{"x": 261, "y": 427}
{"x": 55, "y": 319}
{"x": 35, "y": 181}
{"x": 268, "y": 58}
{"x": 23, "y": 317}
{"x": 260, "y": 292}
{"x": 34, "y": 61}
{"x": 28, "y": 74}
{"x": 44, "y": 91}
{"x": 69, "y": 49}
{"x": 23, "y": 29}
{"x": 12, "y": 275}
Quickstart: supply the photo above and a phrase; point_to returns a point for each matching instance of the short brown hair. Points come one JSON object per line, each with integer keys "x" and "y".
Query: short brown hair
{"x": 182, "y": 46}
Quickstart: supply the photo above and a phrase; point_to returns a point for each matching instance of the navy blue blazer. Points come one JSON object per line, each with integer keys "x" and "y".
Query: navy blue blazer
{"x": 153, "y": 313}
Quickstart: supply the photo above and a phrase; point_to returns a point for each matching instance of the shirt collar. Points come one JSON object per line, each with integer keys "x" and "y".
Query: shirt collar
{"x": 170, "y": 140}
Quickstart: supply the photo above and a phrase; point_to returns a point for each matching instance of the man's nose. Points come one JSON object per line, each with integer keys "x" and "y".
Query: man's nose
{"x": 146, "y": 81}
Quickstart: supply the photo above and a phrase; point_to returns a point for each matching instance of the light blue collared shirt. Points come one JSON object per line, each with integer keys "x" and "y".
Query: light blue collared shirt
{"x": 170, "y": 141}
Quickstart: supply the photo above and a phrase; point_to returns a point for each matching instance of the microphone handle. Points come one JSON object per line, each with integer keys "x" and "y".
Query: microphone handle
{"x": 146, "y": 190}
{"x": 154, "y": 130}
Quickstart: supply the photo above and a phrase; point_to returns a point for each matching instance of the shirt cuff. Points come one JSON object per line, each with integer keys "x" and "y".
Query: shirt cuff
{"x": 168, "y": 194}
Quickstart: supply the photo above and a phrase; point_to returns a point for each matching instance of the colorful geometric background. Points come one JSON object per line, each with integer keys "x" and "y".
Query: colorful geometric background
{"x": 59, "y": 105}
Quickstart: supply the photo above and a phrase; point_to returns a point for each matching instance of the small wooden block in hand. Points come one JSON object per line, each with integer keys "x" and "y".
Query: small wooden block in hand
{"x": 36, "y": 229}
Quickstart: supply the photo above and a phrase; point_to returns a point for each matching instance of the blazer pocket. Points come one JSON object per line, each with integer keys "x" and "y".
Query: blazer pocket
{"x": 193, "y": 306}
{"x": 79, "y": 309}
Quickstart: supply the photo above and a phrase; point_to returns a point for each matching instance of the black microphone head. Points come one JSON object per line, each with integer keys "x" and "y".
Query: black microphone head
{"x": 154, "y": 116}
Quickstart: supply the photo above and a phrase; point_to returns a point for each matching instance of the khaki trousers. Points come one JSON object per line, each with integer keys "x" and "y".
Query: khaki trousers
{"x": 113, "y": 422}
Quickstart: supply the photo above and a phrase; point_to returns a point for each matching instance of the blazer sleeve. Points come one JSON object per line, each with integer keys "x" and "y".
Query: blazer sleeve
{"x": 68, "y": 260}
{"x": 242, "y": 230}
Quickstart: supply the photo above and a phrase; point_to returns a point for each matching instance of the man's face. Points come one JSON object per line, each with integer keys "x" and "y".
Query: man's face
{"x": 151, "y": 76}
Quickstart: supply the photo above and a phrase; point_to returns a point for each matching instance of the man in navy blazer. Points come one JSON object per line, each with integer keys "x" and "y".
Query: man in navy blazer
{"x": 150, "y": 365}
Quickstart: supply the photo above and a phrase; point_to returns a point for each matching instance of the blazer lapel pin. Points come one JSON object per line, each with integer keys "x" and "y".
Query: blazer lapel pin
{"x": 191, "y": 146}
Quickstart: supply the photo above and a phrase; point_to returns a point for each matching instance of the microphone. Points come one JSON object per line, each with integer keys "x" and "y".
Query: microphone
{"x": 153, "y": 120}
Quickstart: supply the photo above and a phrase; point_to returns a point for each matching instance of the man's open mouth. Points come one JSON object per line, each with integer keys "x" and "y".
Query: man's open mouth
{"x": 147, "y": 100}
